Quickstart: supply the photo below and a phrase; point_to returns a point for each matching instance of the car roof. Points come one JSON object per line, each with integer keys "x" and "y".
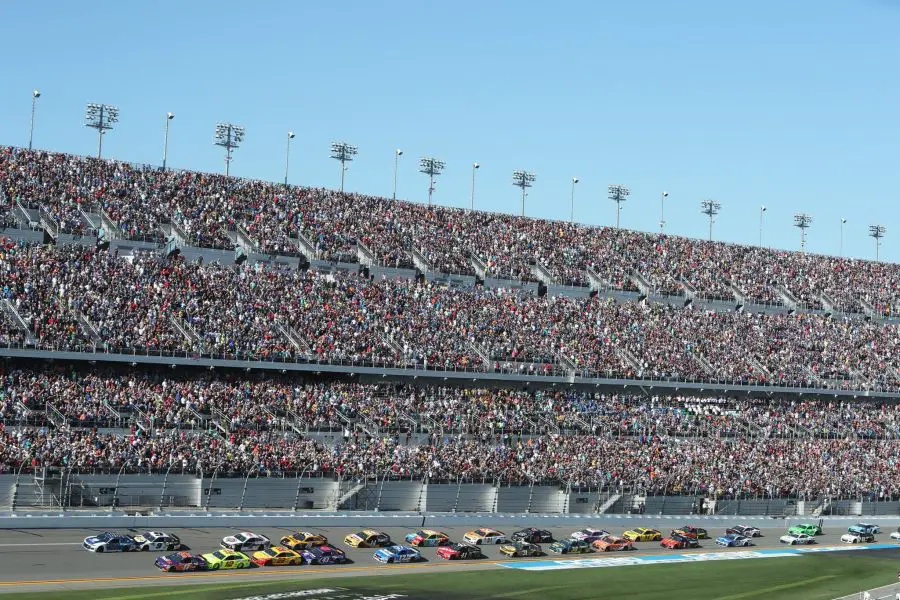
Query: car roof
{"x": 370, "y": 532}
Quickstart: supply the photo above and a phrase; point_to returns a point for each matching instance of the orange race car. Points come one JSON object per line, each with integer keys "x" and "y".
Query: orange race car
{"x": 611, "y": 543}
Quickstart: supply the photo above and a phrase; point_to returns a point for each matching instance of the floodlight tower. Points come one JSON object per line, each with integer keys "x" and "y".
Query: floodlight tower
{"x": 572, "y": 212}
{"x": 287, "y": 155}
{"x": 397, "y": 154}
{"x": 431, "y": 167}
{"x": 662, "y": 211}
{"x": 169, "y": 117}
{"x": 35, "y": 94}
{"x": 877, "y": 232}
{"x": 343, "y": 152}
{"x": 524, "y": 180}
{"x": 762, "y": 211}
{"x": 229, "y": 137}
{"x": 100, "y": 117}
{"x": 618, "y": 194}
{"x": 710, "y": 208}
{"x": 475, "y": 167}
{"x": 802, "y": 221}
{"x": 843, "y": 222}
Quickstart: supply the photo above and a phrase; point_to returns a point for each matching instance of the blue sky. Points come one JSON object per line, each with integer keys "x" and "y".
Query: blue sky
{"x": 790, "y": 104}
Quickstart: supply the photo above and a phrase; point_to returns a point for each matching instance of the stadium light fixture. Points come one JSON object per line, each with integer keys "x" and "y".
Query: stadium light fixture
{"x": 343, "y": 152}
{"x": 228, "y": 136}
{"x": 710, "y": 208}
{"x": 524, "y": 180}
{"x": 762, "y": 211}
{"x": 169, "y": 117}
{"x": 662, "y": 211}
{"x": 618, "y": 194}
{"x": 35, "y": 94}
{"x": 100, "y": 117}
{"x": 475, "y": 167}
{"x": 843, "y": 222}
{"x": 397, "y": 154}
{"x": 431, "y": 167}
{"x": 287, "y": 155}
{"x": 802, "y": 221}
{"x": 572, "y": 210}
{"x": 877, "y": 232}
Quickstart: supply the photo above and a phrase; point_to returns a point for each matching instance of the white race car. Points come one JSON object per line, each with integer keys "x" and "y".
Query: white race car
{"x": 158, "y": 541}
{"x": 857, "y": 538}
{"x": 246, "y": 540}
{"x": 895, "y": 535}
{"x": 796, "y": 539}
{"x": 589, "y": 534}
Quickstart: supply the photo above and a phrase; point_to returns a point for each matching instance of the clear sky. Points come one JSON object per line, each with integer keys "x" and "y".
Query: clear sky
{"x": 791, "y": 104}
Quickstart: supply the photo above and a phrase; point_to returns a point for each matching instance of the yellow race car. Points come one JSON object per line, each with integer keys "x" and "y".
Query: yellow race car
{"x": 368, "y": 538}
{"x": 642, "y": 534}
{"x": 277, "y": 556}
{"x": 301, "y": 540}
{"x": 226, "y": 559}
{"x": 485, "y": 536}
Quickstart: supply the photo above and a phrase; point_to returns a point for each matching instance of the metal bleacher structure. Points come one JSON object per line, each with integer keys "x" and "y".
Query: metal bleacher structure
{"x": 64, "y": 489}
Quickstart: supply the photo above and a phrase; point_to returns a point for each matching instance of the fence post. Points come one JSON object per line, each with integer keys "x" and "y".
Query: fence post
{"x": 115, "y": 500}
{"x": 458, "y": 490}
{"x": 299, "y": 482}
{"x": 162, "y": 494}
{"x": 209, "y": 489}
{"x": 244, "y": 491}
{"x": 381, "y": 489}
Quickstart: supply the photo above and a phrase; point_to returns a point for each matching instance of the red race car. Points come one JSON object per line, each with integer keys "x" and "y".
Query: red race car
{"x": 460, "y": 552}
{"x": 679, "y": 542}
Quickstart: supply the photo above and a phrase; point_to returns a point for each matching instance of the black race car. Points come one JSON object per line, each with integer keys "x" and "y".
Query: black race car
{"x": 532, "y": 535}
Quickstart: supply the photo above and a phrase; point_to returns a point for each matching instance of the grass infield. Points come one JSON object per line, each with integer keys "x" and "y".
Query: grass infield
{"x": 814, "y": 577}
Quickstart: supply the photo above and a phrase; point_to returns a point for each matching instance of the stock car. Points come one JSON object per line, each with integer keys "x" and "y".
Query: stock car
{"x": 589, "y": 534}
{"x": 109, "y": 542}
{"x": 795, "y": 539}
{"x": 532, "y": 535}
{"x": 301, "y": 540}
{"x": 611, "y": 543}
{"x": 691, "y": 531}
{"x": 180, "y": 562}
{"x": 744, "y": 530}
{"x": 158, "y": 540}
{"x": 427, "y": 537}
{"x": 485, "y": 536}
{"x": 805, "y": 529}
{"x": 368, "y": 538}
{"x": 398, "y": 554}
{"x": 244, "y": 541}
{"x": 276, "y": 556}
{"x": 642, "y": 534}
{"x": 679, "y": 542}
{"x": 226, "y": 559}
{"x": 857, "y": 538}
{"x": 521, "y": 548}
{"x": 895, "y": 535}
{"x": 733, "y": 540}
{"x": 324, "y": 555}
{"x": 459, "y": 552}
{"x": 866, "y": 528}
{"x": 570, "y": 546}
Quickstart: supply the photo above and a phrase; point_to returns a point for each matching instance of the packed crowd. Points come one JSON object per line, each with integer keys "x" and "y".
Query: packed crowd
{"x": 283, "y": 220}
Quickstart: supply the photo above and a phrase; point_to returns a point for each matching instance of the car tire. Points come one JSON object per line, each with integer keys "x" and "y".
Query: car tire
{"x": 240, "y": 565}
{"x": 99, "y": 550}
{"x": 145, "y": 548}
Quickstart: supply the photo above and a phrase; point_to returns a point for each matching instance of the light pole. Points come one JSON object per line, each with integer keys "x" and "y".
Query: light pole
{"x": 572, "y": 215}
{"x": 710, "y": 208}
{"x": 100, "y": 117}
{"x": 524, "y": 180}
{"x": 431, "y": 167}
{"x": 397, "y": 154}
{"x": 287, "y": 155}
{"x": 618, "y": 194}
{"x": 34, "y": 96}
{"x": 662, "y": 211}
{"x": 843, "y": 222}
{"x": 343, "y": 152}
{"x": 169, "y": 117}
{"x": 762, "y": 211}
{"x": 475, "y": 167}
{"x": 229, "y": 137}
{"x": 802, "y": 221}
{"x": 877, "y": 232}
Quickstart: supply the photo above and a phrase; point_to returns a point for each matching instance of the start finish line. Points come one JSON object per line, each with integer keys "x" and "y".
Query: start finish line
{"x": 659, "y": 559}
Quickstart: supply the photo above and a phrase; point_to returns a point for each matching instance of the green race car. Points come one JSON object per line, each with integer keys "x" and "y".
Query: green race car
{"x": 226, "y": 559}
{"x": 805, "y": 529}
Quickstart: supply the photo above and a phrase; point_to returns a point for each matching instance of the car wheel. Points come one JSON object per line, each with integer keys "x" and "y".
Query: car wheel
{"x": 99, "y": 550}
{"x": 240, "y": 565}
{"x": 213, "y": 567}
{"x": 145, "y": 548}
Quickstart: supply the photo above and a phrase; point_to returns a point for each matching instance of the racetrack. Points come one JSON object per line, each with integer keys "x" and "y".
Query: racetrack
{"x": 40, "y": 560}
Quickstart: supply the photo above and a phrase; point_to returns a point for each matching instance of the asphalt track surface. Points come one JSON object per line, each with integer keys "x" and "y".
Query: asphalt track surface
{"x": 42, "y": 560}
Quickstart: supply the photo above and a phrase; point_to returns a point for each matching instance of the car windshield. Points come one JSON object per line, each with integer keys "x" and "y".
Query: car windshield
{"x": 241, "y": 537}
{"x": 220, "y": 555}
{"x": 422, "y": 534}
{"x": 485, "y": 532}
{"x": 105, "y": 537}
{"x": 270, "y": 552}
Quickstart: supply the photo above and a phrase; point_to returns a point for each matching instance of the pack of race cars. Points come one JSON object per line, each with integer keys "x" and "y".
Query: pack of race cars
{"x": 247, "y": 549}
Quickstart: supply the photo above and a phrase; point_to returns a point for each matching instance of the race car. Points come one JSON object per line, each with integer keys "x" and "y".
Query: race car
{"x": 532, "y": 535}
{"x": 895, "y": 535}
{"x": 733, "y": 540}
{"x": 300, "y": 540}
{"x": 691, "y": 531}
{"x": 805, "y": 529}
{"x": 368, "y": 538}
{"x": 158, "y": 540}
{"x": 795, "y": 539}
{"x": 398, "y": 554}
{"x": 589, "y": 535}
{"x": 864, "y": 528}
{"x": 485, "y": 536}
{"x": 857, "y": 538}
{"x": 226, "y": 559}
{"x": 276, "y": 556}
{"x": 427, "y": 537}
{"x": 180, "y": 562}
{"x": 109, "y": 542}
{"x": 679, "y": 542}
{"x": 744, "y": 530}
{"x": 459, "y": 552}
{"x": 324, "y": 555}
{"x": 521, "y": 548}
{"x": 642, "y": 534}
{"x": 570, "y": 546}
{"x": 611, "y": 543}
{"x": 244, "y": 541}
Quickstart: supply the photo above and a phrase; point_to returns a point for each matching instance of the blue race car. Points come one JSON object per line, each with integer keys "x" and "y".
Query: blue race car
{"x": 733, "y": 540}
{"x": 397, "y": 554}
{"x": 110, "y": 542}
{"x": 864, "y": 529}
{"x": 324, "y": 555}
